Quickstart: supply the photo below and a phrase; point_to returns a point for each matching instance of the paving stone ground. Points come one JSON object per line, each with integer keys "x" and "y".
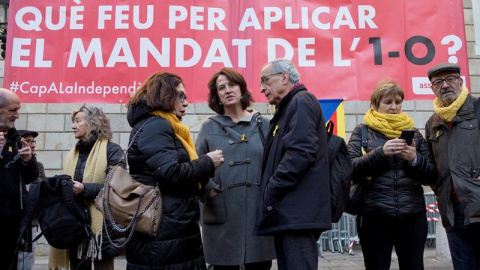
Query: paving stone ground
{"x": 330, "y": 261}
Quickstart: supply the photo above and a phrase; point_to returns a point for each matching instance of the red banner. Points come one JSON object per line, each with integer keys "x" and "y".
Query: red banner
{"x": 100, "y": 51}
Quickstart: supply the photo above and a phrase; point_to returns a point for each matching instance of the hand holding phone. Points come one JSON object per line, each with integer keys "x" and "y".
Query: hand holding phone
{"x": 407, "y": 135}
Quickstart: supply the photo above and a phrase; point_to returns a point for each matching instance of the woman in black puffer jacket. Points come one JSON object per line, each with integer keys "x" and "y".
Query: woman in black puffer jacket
{"x": 164, "y": 154}
{"x": 393, "y": 209}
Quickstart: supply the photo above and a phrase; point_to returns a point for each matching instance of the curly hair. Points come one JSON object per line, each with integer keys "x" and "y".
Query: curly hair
{"x": 98, "y": 123}
{"x": 158, "y": 91}
{"x": 235, "y": 77}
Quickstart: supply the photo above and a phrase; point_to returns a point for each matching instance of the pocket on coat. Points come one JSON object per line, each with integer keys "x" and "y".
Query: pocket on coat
{"x": 469, "y": 133}
{"x": 214, "y": 211}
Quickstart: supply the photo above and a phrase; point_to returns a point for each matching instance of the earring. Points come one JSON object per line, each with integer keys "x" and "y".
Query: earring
{"x": 220, "y": 103}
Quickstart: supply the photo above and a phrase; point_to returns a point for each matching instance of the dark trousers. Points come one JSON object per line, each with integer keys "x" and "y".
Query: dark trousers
{"x": 266, "y": 265}
{"x": 464, "y": 242}
{"x": 297, "y": 250}
{"x": 379, "y": 234}
{"x": 10, "y": 228}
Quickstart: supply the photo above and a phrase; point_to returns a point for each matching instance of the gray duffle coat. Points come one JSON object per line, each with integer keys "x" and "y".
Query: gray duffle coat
{"x": 228, "y": 218}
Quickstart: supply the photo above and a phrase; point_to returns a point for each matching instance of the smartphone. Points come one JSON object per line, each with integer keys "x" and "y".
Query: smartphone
{"x": 407, "y": 135}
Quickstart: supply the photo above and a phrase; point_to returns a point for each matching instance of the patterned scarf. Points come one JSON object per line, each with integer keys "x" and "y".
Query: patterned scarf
{"x": 182, "y": 132}
{"x": 390, "y": 125}
{"x": 95, "y": 172}
{"x": 448, "y": 113}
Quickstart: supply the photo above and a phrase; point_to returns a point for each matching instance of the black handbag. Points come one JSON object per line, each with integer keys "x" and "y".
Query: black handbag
{"x": 354, "y": 204}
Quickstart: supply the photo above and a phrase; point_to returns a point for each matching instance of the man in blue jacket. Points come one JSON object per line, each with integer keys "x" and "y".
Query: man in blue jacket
{"x": 295, "y": 202}
{"x": 18, "y": 167}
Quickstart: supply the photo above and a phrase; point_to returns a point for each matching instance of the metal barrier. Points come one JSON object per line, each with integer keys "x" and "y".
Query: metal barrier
{"x": 432, "y": 216}
{"x": 341, "y": 237}
{"x": 343, "y": 234}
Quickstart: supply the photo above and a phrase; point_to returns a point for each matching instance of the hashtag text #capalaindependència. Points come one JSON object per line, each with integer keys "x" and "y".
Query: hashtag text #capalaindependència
{"x": 61, "y": 88}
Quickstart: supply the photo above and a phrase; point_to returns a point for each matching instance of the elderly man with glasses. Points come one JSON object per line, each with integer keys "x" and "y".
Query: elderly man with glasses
{"x": 18, "y": 166}
{"x": 453, "y": 136}
{"x": 294, "y": 203}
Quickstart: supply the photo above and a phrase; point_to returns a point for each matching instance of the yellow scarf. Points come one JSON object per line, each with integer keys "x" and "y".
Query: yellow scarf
{"x": 95, "y": 172}
{"x": 182, "y": 132}
{"x": 390, "y": 125}
{"x": 448, "y": 113}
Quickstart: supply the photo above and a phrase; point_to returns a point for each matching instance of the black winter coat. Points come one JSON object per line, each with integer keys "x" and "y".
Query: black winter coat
{"x": 395, "y": 186}
{"x": 114, "y": 155}
{"x": 158, "y": 157}
{"x": 13, "y": 193}
{"x": 295, "y": 187}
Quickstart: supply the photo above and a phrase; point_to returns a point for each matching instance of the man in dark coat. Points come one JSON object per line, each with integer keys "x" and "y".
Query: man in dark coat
{"x": 295, "y": 202}
{"x": 453, "y": 136}
{"x": 18, "y": 167}
{"x": 26, "y": 253}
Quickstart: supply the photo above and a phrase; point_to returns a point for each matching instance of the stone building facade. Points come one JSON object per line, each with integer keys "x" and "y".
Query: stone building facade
{"x": 53, "y": 121}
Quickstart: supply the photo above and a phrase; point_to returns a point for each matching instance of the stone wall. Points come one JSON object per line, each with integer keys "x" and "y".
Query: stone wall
{"x": 53, "y": 121}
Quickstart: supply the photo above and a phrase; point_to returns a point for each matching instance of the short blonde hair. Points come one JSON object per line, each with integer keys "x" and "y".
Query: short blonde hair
{"x": 385, "y": 87}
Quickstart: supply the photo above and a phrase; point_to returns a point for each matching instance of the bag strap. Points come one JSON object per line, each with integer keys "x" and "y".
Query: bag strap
{"x": 476, "y": 108}
{"x": 364, "y": 137}
{"x": 67, "y": 194}
{"x": 34, "y": 198}
{"x": 260, "y": 126}
{"x": 335, "y": 142}
{"x": 135, "y": 137}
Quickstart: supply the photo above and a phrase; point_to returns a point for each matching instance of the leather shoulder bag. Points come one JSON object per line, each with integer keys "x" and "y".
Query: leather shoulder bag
{"x": 127, "y": 204}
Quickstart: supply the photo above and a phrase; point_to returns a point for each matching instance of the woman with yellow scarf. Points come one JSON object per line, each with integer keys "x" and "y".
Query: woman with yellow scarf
{"x": 164, "y": 154}
{"x": 87, "y": 164}
{"x": 392, "y": 172}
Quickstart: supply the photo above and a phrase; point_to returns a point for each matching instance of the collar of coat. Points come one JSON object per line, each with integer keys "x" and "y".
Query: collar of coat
{"x": 227, "y": 121}
{"x": 286, "y": 100}
{"x": 466, "y": 112}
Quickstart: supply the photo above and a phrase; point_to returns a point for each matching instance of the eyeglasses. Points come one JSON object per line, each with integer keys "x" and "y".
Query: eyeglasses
{"x": 450, "y": 79}
{"x": 264, "y": 79}
{"x": 30, "y": 141}
{"x": 182, "y": 96}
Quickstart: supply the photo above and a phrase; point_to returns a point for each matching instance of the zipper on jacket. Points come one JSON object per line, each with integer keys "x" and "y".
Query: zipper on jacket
{"x": 395, "y": 183}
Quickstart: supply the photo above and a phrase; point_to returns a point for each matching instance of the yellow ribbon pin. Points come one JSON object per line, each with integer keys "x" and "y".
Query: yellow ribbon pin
{"x": 275, "y": 130}
{"x": 243, "y": 137}
{"x": 10, "y": 149}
